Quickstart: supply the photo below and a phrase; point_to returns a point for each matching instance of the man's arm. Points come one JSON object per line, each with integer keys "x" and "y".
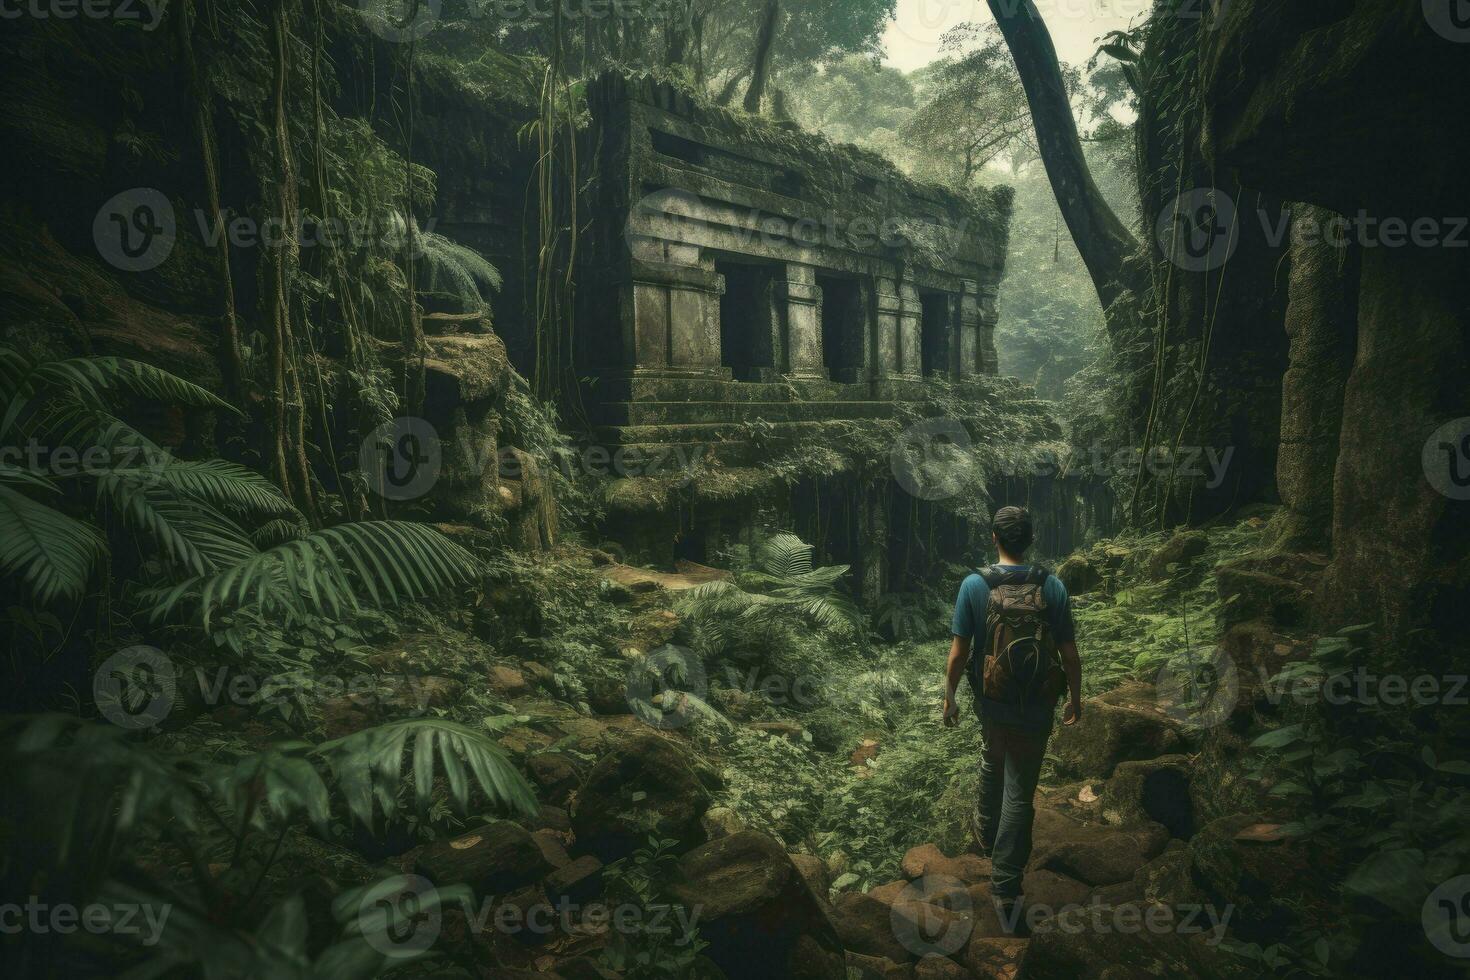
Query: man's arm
{"x": 959, "y": 656}
{"x": 1072, "y": 666}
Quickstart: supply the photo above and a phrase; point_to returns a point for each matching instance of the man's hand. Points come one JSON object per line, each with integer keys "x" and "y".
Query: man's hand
{"x": 1073, "y": 712}
{"x": 951, "y": 713}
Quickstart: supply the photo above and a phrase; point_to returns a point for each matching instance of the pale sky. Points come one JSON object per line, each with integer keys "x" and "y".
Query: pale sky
{"x": 912, "y": 40}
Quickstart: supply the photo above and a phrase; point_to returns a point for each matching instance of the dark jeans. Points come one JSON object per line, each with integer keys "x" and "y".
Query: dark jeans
{"x": 1010, "y": 765}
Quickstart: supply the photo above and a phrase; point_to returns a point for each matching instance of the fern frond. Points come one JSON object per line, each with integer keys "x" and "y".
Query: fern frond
{"x": 51, "y": 553}
{"x": 368, "y": 767}
{"x": 785, "y": 555}
{"x": 90, "y": 378}
{"x": 189, "y": 533}
{"x": 225, "y": 485}
{"x": 330, "y": 572}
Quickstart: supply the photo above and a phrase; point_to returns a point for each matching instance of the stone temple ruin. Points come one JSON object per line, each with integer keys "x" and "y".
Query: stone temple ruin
{"x": 752, "y": 302}
{"x": 766, "y": 268}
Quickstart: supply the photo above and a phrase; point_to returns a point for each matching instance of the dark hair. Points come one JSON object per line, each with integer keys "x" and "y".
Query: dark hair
{"x": 1012, "y": 526}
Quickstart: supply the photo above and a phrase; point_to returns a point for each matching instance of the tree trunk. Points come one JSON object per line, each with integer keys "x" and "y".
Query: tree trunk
{"x": 761, "y": 66}
{"x": 1103, "y": 240}
{"x": 727, "y": 94}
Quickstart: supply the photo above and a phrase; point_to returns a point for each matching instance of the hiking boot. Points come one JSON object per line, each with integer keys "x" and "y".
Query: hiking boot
{"x": 1012, "y": 916}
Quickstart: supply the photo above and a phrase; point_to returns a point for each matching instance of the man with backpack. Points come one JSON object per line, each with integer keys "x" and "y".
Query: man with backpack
{"x": 1018, "y": 619}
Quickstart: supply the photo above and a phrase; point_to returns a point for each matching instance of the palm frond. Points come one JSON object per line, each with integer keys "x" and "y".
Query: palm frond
{"x": 90, "y": 378}
{"x": 382, "y": 563}
{"x": 785, "y": 555}
{"x": 226, "y": 485}
{"x": 368, "y": 767}
{"x": 188, "y": 532}
{"x": 51, "y": 553}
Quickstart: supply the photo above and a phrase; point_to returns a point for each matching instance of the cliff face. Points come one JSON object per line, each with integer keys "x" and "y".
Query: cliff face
{"x": 1359, "y": 110}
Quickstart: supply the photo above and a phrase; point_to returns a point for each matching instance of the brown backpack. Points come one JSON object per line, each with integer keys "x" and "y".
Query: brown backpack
{"x": 1021, "y": 663}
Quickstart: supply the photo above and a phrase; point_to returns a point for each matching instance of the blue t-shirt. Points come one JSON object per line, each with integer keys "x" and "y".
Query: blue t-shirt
{"x": 969, "y": 621}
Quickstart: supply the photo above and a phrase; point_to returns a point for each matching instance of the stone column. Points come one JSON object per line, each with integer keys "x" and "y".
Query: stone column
{"x": 800, "y": 300}
{"x": 910, "y": 332}
{"x": 889, "y": 308}
{"x": 899, "y": 312}
{"x": 989, "y": 314}
{"x": 969, "y": 329}
{"x": 1321, "y": 321}
{"x": 670, "y": 310}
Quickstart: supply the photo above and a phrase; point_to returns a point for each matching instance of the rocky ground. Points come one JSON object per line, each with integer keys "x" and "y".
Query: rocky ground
{"x": 1150, "y": 855}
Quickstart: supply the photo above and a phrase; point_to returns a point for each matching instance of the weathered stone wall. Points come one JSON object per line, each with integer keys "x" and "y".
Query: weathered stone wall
{"x": 1360, "y": 109}
{"x": 1321, "y": 322}
{"x": 684, "y": 186}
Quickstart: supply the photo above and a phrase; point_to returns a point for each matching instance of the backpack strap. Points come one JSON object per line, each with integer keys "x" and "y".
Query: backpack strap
{"x": 994, "y": 575}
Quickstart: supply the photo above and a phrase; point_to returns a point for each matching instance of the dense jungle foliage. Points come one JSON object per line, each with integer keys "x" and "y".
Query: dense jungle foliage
{"x": 250, "y": 688}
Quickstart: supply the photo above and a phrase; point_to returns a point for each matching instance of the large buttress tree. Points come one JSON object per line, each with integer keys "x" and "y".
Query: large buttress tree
{"x": 1102, "y": 239}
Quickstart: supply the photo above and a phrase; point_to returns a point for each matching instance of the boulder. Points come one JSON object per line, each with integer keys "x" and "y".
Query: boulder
{"x": 552, "y": 818}
{"x": 1250, "y": 594}
{"x": 757, "y": 913}
{"x": 507, "y": 682}
{"x": 539, "y": 675}
{"x": 935, "y": 967}
{"x": 1123, "y": 724}
{"x": 1080, "y": 575}
{"x": 721, "y": 821}
{"x": 926, "y": 859}
{"x": 860, "y": 967}
{"x": 1268, "y": 879}
{"x": 865, "y": 925}
{"x": 396, "y": 698}
{"x": 493, "y": 860}
{"x": 526, "y": 914}
{"x": 813, "y": 871}
{"x": 904, "y": 920}
{"x": 889, "y": 893}
{"x": 1052, "y": 891}
{"x": 643, "y": 786}
{"x": 1180, "y": 550}
{"x": 579, "y": 881}
{"x": 1092, "y": 854}
{"x": 1102, "y": 942}
{"x": 995, "y": 959}
{"x": 552, "y": 848}
{"x": 1156, "y": 790}
{"x": 556, "y": 774}
{"x": 1167, "y": 879}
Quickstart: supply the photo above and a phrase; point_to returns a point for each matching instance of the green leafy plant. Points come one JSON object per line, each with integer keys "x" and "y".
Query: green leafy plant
{"x": 88, "y": 801}
{"x": 647, "y": 952}
{"x": 205, "y": 520}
